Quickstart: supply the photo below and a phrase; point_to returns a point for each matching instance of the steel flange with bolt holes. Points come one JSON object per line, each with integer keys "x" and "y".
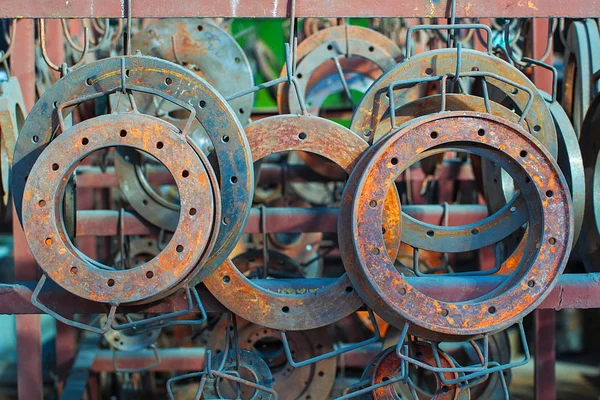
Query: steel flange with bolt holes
{"x": 535, "y": 270}
{"x": 169, "y": 81}
{"x": 43, "y": 199}
{"x": 313, "y": 308}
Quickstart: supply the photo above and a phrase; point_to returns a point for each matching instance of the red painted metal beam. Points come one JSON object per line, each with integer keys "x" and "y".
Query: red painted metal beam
{"x": 572, "y": 291}
{"x": 106, "y": 222}
{"x": 304, "y": 8}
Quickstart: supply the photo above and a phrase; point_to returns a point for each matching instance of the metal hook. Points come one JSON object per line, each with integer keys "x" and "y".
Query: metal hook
{"x": 63, "y": 68}
{"x": 75, "y": 46}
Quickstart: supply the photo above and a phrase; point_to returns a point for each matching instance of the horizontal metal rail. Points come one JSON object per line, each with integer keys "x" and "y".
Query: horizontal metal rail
{"x": 572, "y": 291}
{"x": 304, "y": 8}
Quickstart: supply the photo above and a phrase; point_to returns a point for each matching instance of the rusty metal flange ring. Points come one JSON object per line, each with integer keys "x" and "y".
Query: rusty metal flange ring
{"x": 206, "y": 49}
{"x": 570, "y": 162}
{"x": 45, "y": 230}
{"x": 342, "y": 41}
{"x": 327, "y": 304}
{"x": 389, "y": 365}
{"x": 589, "y": 239}
{"x": 236, "y": 175}
{"x": 369, "y": 119}
{"x": 251, "y": 363}
{"x": 315, "y": 380}
{"x": 581, "y": 62}
{"x": 386, "y": 290}
{"x": 130, "y": 340}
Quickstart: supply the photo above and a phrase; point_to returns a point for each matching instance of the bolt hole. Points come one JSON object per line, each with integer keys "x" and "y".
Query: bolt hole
{"x": 160, "y": 145}
{"x": 226, "y": 279}
{"x": 373, "y": 204}
{"x": 375, "y": 251}
{"x": 329, "y": 47}
{"x": 531, "y": 283}
{"x": 55, "y": 167}
{"x": 394, "y": 161}
{"x": 225, "y": 138}
{"x": 185, "y": 173}
{"x": 193, "y": 211}
{"x": 145, "y": 202}
{"x": 89, "y": 81}
{"x": 200, "y": 28}
{"x": 549, "y": 193}
{"x": 430, "y": 233}
{"x": 35, "y": 139}
{"x": 523, "y": 153}
{"x": 226, "y": 220}
{"x": 168, "y": 80}
{"x": 179, "y": 248}
{"x": 514, "y": 91}
{"x": 513, "y": 209}
{"x": 445, "y": 389}
{"x": 127, "y": 73}
{"x": 202, "y": 103}
{"x": 321, "y": 373}
{"x": 110, "y": 282}
{"x": 48, "y": 241}
{"x": 481, "y": 132}
{"x": 402, "y": 291}
{"x": 475, "y": 231}
{"x": 552, "y": 241}
{"x": 302, "y": 135}
{"x": 475, "y": 69}
{"x": 285, "y": 309}
{"x": 149, "y": 274}
{"x": 74, "y": 270}
{"x": 434, "y": 135}
{"x": 371, "y": 49}
{"x": 85, "y": 141}
{"x": 234, "y": 179}
{"x": 492, "y": 310}
{"x": 123, "y": 133}
{"x": 429, "y": 71}
{"x": 537, "y": 128}
{"x": 237, "y": 60}
{"x": 445, "y": 313}
{"x": 349, "y": 289}
{"x": 42, "y": 203}
{"x": 241, "y": 110}
{"x": 299, "y": 76}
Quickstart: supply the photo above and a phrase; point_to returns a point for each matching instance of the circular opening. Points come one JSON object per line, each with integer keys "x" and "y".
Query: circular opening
{"x": 434, "y": 135}
{"x": 168, "y": 80}
{"x": 481, "y": 132}
{"x": 55, "y": 167}
{"x": 202, "y": 103}
{"x": 42, "y": 203}
{"x": 430, "y": 233}
{"x": 549, "y": 193}
{"x": 225, "y": 138}
{"x": 226, "y": 279}
{"x": 149, "y": 274}
{"x": 85, "y": 141}
{"x": 110, "y": 282}
{"x": 159, "y": 145}
{"x": 234, "y": 179}
{"x": 192, "y": 211}
{"x": 394, "y": 161}
{"x": 73, "y": 270}
{"x": 302, "y": 135}
{"x": 89, "y": 81}
{"x": 179, "y": 248}
{"x": 373, "y": 203}
{"x": 185, "y": 173}
{"x": 371, "y": 49}
{"x": 349, "y": 289}
{"x": 429, "y": 71}
{"x": 531, "y": 283}
{"x": 123, "y": 133}
{"x": 552, "y": 241}
{"x": 492, "y": 310}
{"x": 285, "y": 309}
{"x": 523, "y": 153}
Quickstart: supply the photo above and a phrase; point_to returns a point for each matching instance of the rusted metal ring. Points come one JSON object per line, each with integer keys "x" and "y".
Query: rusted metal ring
{"x": 581, "y": 62}
{"x": 141, "y": 247}
{"x": 12, "y": 116}
{"x": 130, "y": 340}
{"x": 371, "y": 118}
{"x": 315, "y": 380}
{"x": 570, "y": 162}
{"x": 388, "y": 365}
{"x": 250, "y": 362}
{"x": 207, "y": 50}
{"x": 386, "y": 290}
{"x": 236, "y": 175}
{"x": 336, "y": 41}
{"x": 330, "y": 303}
{"x": 590, "y": 151}
{"x": 42, "y": 209}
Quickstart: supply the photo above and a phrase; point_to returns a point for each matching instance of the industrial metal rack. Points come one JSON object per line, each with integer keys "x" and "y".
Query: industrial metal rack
{"x": 573, "y": 290}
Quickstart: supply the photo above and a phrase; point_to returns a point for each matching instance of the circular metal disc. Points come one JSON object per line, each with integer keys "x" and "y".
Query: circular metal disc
{"x": 43, "y": 198}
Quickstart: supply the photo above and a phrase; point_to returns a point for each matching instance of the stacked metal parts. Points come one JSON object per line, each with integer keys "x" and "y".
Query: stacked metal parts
{"x": 356, "y": 208}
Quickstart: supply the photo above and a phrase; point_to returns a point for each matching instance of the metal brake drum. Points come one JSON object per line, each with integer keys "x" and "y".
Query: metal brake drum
{"x": 547, "y": 244}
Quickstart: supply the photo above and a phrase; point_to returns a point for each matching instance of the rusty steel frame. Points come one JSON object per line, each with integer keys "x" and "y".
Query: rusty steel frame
{"x": 304, "y": 8}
